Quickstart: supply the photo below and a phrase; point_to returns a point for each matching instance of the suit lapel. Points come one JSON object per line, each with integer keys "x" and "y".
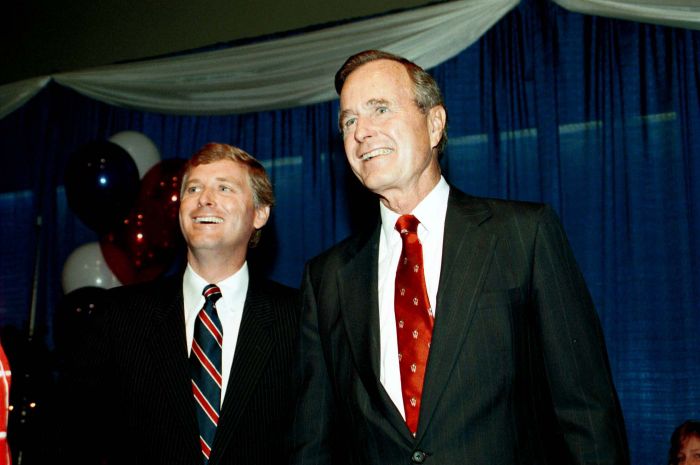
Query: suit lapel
{"x": 358, "y": 300}
{"x": 171, "y": 364}
{"x": 466, "y": 256}
{"x": 357, "y": 291}
{"x": 253, "y": 349}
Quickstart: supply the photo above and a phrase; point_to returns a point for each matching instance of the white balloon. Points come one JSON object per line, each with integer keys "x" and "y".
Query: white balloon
{"x": 140, "y": 147}
{"x": 86, "y": 266}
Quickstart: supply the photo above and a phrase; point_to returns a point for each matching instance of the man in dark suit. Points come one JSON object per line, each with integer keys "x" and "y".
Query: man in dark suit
{"x": 458, "y": 330}
{"x": 148, "y": 398}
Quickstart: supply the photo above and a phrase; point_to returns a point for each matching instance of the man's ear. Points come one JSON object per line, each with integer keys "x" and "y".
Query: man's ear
{"x": 437, "y": 118}
{"x": 262, "y": 214}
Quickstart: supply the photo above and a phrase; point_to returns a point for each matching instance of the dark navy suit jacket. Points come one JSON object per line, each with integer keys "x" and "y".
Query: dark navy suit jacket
{"x": 517, "y": 373}
{"x": 135, "y": 378}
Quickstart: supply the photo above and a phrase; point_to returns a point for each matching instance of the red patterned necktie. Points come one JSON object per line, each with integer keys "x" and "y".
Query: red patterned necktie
{"x": 414, "y": 320}
{"x": 205, "y": 363}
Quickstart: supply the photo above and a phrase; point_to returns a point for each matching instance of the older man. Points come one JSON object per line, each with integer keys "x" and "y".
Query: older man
{"x": 458, "y": 330}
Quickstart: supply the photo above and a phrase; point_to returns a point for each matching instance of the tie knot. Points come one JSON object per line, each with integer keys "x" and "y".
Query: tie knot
{"x": 407, "y": 224}
{"x": 211, "y": 293}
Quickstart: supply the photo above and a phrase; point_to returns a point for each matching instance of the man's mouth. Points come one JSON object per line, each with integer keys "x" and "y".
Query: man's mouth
{"x": 207, "y": 219}
{"x": 375, "y": 153}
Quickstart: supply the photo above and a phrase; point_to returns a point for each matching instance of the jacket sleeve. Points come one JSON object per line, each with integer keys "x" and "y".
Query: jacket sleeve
{"x": 312, "y": 431}
{"x": 575, "y": 358}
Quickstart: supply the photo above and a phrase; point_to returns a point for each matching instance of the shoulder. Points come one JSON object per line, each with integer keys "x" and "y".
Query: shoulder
{"x": 160, "y": 289}
{"x": 345, "y": 250}
{"x": 273, "y": 289}
{"x": 501, "y": 211}
{"x": 137, "y": 304}
{"x": 265, "y": 292}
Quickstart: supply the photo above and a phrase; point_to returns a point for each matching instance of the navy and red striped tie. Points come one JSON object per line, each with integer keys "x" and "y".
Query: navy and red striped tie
{"x": 205, "y": 362}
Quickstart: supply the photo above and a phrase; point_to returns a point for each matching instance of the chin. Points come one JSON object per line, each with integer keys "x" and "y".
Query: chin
{"x": 376, "y": 182}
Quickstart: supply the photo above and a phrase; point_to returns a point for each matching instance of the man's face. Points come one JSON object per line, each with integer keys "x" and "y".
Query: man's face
{"x": 216, "y": 209}
{"x": 388, "y": 140}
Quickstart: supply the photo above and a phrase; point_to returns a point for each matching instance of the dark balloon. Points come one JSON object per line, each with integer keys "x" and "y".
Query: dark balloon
{"x": 77, "y": 316}
{"x": 102, "y": 182}
{"x": 148, "y": 240}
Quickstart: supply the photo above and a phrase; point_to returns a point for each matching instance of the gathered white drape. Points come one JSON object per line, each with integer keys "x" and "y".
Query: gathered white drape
{"x": 15, "y": 94}
{"x": 676, "y": 13}
{"x": 282, "y": 73}
{"x": 298, "y": 70}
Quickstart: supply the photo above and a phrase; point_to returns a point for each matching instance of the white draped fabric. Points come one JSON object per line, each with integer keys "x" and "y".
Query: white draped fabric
{"x": 298, "y": 70}
{"x": 282, "y": 73}
{"x": 15, "y": 94}
{"x": 676, "y": 13}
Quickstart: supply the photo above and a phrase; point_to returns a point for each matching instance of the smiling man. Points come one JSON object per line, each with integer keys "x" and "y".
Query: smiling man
{"x": 457, "y": 330}
{"x": 195, "y": 369}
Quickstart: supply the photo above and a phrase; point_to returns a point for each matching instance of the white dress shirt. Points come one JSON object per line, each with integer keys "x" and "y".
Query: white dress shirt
{"x": 229, "y": 308}
{"x": 431, "y": 212}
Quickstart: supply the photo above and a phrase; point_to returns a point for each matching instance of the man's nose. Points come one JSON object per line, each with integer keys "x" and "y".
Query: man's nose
{"x": 364, "y": 128}
{"x": 206, "y": 197}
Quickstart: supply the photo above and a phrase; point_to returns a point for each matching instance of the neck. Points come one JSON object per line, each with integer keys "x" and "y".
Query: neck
{"x": 214, "y": 266}
{"x": 405, "y": 201}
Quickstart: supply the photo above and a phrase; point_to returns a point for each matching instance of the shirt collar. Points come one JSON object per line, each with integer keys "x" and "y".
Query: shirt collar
{"x": 430, "y": 211}
{"x": 193, "y": 284}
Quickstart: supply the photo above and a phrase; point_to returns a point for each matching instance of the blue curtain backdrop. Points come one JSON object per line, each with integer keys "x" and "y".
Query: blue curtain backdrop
{"x": 598, "y": 117}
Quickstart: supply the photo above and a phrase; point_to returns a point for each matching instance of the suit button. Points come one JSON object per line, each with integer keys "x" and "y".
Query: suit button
{"x": 418, "y": 457}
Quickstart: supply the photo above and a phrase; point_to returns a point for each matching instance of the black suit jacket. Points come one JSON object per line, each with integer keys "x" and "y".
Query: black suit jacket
{"x": 136, "y": 380}
{"x": 517, "y": 372}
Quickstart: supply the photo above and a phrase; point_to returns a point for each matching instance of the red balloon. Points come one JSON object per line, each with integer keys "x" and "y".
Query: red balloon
{"x": 148, "y": 240}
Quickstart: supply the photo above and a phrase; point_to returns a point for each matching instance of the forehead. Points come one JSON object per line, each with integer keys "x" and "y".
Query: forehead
{"x": 379, "y": 79}
{"x": 220, "y": 169}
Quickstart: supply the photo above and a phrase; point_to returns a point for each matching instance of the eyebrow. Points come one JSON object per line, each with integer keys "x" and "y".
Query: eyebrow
{"x": 372, "y": 103}
{"x": 343, "y": 114}
{"x": 217, "y": 179}
{"x": 375, "y": 102}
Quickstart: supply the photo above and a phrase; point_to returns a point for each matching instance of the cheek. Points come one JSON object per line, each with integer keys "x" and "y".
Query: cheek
{"x": 353, "y": 161}
{"x": 186, "y": 206}
{"x": 181, "y": 213}
{"x": 349, "y": 144}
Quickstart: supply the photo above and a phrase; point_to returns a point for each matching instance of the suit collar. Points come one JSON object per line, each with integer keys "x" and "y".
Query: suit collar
{"x": 359, "y": 308}
{"x": 466, "y": 257}
{"x": 169, "y": 350}
{"x": 357, "y": 284}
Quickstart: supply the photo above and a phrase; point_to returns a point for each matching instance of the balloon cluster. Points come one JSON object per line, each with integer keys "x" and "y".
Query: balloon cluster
{"x": 123, "y": 191}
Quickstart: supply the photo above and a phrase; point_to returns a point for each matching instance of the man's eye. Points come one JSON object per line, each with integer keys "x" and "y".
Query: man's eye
{"x": 349, "y": 122}
{"x": 225, "y": 188}
{"x": 382, "y": 110}
{"x": 191, "y": 189}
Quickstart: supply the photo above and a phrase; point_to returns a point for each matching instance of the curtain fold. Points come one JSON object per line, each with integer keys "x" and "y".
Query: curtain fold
{"x": 676, "y": 13}
{"x": 281, "y": 73}
{"x": 291, "y": 71}
{"x": 16, "y": 94}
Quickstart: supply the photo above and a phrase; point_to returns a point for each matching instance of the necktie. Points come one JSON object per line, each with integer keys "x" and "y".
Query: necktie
{"x": 414, "y": 320}
{"x": 205, "y": 362}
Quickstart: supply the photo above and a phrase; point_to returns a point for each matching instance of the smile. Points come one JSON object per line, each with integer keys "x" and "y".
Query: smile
{"x": 207, "y": 219}
{"x": 375, "y": 153}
